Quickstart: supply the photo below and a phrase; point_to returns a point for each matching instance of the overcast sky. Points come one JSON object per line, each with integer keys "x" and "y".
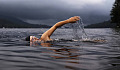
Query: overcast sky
{"x": 51, "y": 11}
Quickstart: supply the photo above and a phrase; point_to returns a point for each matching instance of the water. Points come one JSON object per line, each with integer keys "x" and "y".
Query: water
{"x": 78, "y": 28}
{"x": 17, "y": 54}
{"x": 81, "y": 28}
{"x": 80, "y": 34}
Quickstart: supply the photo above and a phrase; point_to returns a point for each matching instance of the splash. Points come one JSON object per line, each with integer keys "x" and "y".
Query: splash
{"x": 80, "y": 34}
{"x": 79, "y": 31}
{"x": 81, "y": 26}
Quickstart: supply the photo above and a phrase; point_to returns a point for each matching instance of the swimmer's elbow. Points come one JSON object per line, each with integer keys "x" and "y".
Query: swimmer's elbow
{"x": 56, "y": 26}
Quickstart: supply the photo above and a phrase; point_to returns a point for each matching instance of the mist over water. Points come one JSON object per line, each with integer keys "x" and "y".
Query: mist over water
{"x": 17, "y": 54}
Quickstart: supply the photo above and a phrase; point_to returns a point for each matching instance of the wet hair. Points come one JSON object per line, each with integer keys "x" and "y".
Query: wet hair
{"x": 27, "y": 38}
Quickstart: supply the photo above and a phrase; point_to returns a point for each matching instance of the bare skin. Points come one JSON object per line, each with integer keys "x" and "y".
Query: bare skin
{"x": 46, "y": 36}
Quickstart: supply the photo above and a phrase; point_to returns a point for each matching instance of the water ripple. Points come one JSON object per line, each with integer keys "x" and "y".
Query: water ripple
{"x": 17, "y": 54}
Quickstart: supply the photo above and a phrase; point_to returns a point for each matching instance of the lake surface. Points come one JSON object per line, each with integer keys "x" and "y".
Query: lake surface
{"x": 17, "y": 54}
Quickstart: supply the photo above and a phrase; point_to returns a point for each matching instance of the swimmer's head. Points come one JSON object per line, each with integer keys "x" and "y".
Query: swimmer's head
{"x": 27, "y": 38}
{"x": 31, "y": 38}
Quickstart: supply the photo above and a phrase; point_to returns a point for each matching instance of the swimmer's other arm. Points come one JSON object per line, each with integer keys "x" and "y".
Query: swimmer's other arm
{"x": 46, "y": 36}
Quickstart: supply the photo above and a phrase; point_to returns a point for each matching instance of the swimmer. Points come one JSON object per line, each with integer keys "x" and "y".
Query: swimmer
{"x": 46, "y": 36}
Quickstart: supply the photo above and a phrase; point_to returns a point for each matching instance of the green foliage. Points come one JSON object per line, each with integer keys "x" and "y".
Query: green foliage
{"x": 115, "y": 13}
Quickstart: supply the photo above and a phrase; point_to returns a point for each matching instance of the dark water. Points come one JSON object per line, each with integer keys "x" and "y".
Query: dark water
{"x": 17, "y": 54}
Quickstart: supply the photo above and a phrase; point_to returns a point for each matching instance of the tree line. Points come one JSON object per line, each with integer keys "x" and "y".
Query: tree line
{"x": 115, "y": 13}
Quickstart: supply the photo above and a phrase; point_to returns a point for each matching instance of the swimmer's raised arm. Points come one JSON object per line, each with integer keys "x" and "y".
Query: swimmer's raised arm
{"x": 46, "y": 36}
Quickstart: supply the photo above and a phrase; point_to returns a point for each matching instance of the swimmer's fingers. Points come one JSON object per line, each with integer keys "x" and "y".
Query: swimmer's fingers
{"x": 77, "y": 18}
{"x": 74, "y": 19}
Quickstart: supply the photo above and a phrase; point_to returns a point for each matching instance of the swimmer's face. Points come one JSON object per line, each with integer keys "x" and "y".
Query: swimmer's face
{"x": 33, "y": 38}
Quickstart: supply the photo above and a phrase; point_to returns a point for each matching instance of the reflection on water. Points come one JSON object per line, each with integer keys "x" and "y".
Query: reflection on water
{"x": 65, "y": 54}
{"x": 17, "y": 54}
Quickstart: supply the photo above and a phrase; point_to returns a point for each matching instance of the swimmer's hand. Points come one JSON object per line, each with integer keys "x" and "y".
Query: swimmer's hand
{"x": 73, "y": 19}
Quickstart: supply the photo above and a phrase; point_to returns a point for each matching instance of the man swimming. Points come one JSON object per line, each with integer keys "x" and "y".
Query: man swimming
{"x": 46, "y": 36}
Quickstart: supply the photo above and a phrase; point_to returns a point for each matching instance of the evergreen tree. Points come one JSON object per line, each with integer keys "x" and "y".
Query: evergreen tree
{"x": 115, "y": 13}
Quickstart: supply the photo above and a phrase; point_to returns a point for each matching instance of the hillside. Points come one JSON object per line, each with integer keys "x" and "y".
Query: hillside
{"x": 105, "y": 24}
{"x": 12, "y": 22}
